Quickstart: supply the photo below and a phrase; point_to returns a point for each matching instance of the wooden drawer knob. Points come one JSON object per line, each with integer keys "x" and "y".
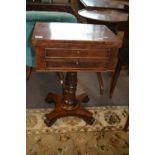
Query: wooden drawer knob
{"x": 77, "y": 62}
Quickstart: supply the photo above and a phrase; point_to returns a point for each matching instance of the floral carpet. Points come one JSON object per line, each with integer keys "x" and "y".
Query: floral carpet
{"x": 72, "y": 136}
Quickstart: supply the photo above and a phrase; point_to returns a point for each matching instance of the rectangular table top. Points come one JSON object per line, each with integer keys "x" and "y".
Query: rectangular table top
{"x": 45, "y": 34}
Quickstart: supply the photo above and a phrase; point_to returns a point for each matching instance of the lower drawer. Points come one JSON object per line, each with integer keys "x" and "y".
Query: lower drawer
{"x": 75, "y": 64}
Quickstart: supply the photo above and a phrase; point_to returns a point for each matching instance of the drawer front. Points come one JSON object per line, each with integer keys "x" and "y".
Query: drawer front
{"x": 75, "y": 53}
{"x": 75, "y": 64}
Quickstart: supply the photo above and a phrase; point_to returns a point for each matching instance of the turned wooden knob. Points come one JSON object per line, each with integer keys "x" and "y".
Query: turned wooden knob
{"x": 77, "y": 62}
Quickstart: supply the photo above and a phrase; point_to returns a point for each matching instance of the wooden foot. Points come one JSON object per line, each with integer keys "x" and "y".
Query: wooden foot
{"x": 90, "y": 121}
{"x": 49, "y": 122}
{"x": 80, "y": 112}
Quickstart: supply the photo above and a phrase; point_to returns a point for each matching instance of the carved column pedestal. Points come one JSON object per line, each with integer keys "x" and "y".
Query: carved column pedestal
{"x": 68, "y": 104}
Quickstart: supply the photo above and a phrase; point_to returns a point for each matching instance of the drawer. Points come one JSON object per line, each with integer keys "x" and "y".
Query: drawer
{"x": 75, "y": 53}
{"x": 75, "y": 64}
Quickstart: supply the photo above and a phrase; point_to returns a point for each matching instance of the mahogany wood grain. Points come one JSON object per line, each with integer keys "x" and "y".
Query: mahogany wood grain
{"x": 75, "y": 53}
{"x": 74, "y": 36}
{"x": 73, "y": 48}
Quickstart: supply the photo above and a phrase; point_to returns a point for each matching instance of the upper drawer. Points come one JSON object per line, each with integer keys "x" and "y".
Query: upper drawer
{"x": 75, "y": 53}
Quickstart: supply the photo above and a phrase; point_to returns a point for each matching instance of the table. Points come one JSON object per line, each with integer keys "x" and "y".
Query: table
{"x": 72, "y": 48}
{"x": 109, "y": 17}
{"x": 113, "y": 4}
{"x": 116, "y": 20}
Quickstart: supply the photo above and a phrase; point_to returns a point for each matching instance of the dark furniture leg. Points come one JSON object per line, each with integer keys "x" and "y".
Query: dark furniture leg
{"x": 115, "y": 78}
{"x": 126, "y": 127}
{"x": 123, "y": 60}
{"x": 100, "y": 80}
{"x": 68, "y": 104}
{"x": 28, "y": 72}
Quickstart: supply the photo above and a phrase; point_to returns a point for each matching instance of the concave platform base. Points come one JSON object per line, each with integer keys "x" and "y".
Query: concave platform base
{"x": 62, "y": 109}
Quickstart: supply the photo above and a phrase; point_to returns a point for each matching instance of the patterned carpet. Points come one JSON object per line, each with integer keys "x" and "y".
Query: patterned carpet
{"x": 72, "y": 136}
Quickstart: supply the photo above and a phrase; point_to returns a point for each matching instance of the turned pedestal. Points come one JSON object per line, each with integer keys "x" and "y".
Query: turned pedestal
{"x": 68, "y": 104}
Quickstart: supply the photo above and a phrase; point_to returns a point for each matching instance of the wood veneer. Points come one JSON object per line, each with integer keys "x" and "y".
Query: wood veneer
{"x": 72, "y": 48}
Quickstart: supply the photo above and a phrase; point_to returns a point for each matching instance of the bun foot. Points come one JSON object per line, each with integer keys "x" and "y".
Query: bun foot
{"x": 89, "y": 121}
{"x": 49, "y": 122}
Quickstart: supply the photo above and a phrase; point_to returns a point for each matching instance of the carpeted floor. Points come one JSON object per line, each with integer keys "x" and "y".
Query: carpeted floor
{"x": 81, "y": 143}
{"x": 71, "y": 136}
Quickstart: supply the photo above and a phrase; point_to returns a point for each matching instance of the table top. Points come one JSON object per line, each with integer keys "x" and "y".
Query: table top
{"x": 108, "y": 15}
{"x": 46, "y": 33}
{"x": 115, "y": 4}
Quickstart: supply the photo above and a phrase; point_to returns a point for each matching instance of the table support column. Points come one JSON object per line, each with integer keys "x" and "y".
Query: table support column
{"x": 69, "y": 95}
{"x": 68, "y": 104}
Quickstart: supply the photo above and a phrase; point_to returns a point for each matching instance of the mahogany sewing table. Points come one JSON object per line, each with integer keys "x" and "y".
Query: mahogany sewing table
{"x": 72, "y": 48}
